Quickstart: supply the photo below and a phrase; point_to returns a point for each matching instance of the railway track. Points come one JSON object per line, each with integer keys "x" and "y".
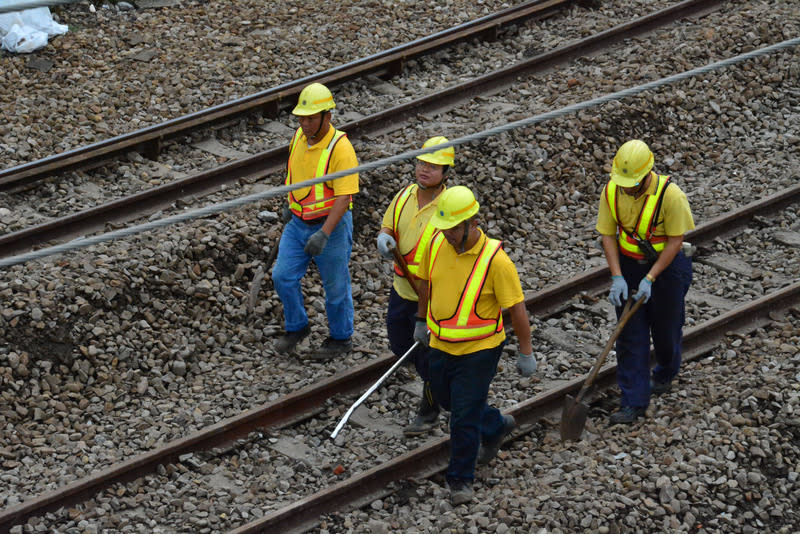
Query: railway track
{"x": 431, "y": 456}
{"x": 151, "y": 141}
{"x": 257, "y": 167}
{"x": 278, "y": 514}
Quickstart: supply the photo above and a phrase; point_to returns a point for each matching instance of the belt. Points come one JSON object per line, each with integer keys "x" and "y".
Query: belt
{"x": 311, "y": 222}
{"x": 634, "y": 260}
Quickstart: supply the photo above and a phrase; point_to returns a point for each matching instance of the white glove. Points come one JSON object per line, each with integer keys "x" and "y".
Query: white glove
{"x": 421, "y": 332}
{"x": 526, "y": 364}
{"x": 386, "y": 244}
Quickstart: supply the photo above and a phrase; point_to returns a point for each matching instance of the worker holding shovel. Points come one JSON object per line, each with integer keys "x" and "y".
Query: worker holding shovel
{"x": 406, "y": 230}
{"x": 642, "y": 219}
{"x": 470, "y": 279}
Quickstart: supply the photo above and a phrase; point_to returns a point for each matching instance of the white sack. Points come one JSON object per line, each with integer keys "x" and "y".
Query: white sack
{"x": 28, "y": 30}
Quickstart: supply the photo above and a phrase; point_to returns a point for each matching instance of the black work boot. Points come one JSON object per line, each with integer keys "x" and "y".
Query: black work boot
{"x": 659, "y": 388}
{"x": 489, "y": 450}
{"x": 427, "y": 414}
{"x": 331, "y": 348}
{"x": 289, "y": 340}
{"x": 627, "y": 415}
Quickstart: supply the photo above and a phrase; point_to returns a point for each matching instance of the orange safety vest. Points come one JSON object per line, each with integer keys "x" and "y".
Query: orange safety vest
{"x": 465, "y": 324}
{"x": 645, "y": 224}
{"x": 414, "y": 256}
{"x": 320, "y": 198}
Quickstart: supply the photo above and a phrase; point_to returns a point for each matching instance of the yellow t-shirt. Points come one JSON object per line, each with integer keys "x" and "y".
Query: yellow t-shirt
{"x": 502, "y": 289}
{"x": 305, "y": 159}
{"x": 674, "y": 219}
{"x": 410, "y": 227}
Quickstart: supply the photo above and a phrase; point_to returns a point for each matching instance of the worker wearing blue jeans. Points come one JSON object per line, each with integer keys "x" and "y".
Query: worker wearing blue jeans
{"x": 333, "y": 263}
{"x": 319, "y": 225}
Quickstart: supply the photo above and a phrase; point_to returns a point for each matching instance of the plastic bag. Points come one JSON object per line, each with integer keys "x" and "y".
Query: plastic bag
{"x": 28, "y": 30}
{"x": 23, "y": 41}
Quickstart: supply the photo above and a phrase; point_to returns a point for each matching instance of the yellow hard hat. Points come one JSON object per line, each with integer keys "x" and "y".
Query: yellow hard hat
{"x": 455, "y": 205}
{"x": 313, "y": 99}
{"x": 445, "y": 156}
{"x": 632, "y": 163}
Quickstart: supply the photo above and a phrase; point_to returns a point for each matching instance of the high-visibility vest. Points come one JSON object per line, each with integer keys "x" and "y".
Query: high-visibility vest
{"x": 414, "y": 256}
{"x": 320, "y": 198}
{"x": 465, "y": 324}
{"x": 645, "y": 224}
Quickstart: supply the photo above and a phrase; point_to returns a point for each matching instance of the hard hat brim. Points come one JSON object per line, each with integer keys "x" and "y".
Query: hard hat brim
{"x": 445, "y": 223}
{"x": 304, "y": 112}
{"x": 431, "y": 158}
{"x": 623, "y": 181}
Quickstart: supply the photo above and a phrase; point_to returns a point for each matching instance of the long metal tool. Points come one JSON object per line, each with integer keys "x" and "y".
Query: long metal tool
{"x": 573, "y": 417}
{"x": 375, "y": 386}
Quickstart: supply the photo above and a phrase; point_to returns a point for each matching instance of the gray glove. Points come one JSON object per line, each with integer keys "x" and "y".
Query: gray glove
{"x": 421, "y": 332}
{"x": 645, "y": 290}
{"x": 386, "y": 244}
{"x": 316, "y": 243}
{"x": 287, "y": 214}
{"x": 526, "y": 364}
{"x": 619, "y": 288}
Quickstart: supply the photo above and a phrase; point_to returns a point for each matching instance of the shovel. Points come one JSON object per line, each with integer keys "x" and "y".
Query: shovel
{"x": 398, "y": 258}
{"x": 573, "y": 417}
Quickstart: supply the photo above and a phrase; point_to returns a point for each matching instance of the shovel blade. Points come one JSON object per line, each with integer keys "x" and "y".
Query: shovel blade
{"x": 573, "y": 419}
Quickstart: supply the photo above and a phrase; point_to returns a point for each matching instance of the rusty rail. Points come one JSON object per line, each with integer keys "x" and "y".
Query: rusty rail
{"x": 432, "y": 457}
{"x": 261, "y": 165}
{"x": 151, "y": 140}
{"x": 298, "y": 405}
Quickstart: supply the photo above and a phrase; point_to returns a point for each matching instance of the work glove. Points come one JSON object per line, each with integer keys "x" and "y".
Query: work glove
{"x": 421, "y": 332}
{"x": 316, "y": 243}
{"x": 645, "y": 289}
{"x": 386, "y": 244}
{"x": 287, "y": 213}
{"x": 619, "y": 290}
{"x": 526, "y": 364}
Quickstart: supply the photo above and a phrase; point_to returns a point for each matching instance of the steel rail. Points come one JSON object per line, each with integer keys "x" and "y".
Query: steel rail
{"x": 298, "y": 405}
{"x": 150, "y": 140}
{"x": 365, "y": 487}
{"x": 261, "y": 165}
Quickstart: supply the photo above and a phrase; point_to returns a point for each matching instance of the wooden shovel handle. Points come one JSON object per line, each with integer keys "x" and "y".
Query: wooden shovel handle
{"x": 627, "y": 313}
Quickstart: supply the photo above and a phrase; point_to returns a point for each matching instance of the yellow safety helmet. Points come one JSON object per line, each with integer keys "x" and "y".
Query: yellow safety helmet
{"x": 455, "y": 205}
{"x": 445, "y": 156}
{"x": 313, "y": 99}
{"x": 632, "y": 163}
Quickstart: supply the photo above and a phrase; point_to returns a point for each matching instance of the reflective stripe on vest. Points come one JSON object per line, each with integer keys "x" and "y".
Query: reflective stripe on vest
{"x": 414, "y": 256}
{"x": 645, "y": 224}
{"x": 465, "y": 324}
{"x": 320, "y": 198}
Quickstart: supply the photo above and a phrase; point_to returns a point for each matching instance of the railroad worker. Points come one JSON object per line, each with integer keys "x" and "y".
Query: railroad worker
{"x": 470, "y": 279}
{"x": 642, "y": 219}
{"x": 319, "y": 225}
{"x": 407, "y": 222}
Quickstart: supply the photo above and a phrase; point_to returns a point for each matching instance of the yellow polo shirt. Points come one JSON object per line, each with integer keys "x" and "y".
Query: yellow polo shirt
{"x": 410, "y": 226}
{"x": 502, "y": 289}
{"x": 674, "y": 219}
{"x": 305, "y": 158}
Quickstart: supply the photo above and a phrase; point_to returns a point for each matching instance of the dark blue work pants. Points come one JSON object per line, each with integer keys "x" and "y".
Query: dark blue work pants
{"x": 400, "y": 322}
{"x": 662, "y": 317}
{"x": 461, "y": 384}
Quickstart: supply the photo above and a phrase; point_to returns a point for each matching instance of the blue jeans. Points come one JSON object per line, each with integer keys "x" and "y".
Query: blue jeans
{"x": 662, "y": 317}
{"x": 401, "y": 318}
{"x": 461, "y": 384}
{"x": 333, "y": 264}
